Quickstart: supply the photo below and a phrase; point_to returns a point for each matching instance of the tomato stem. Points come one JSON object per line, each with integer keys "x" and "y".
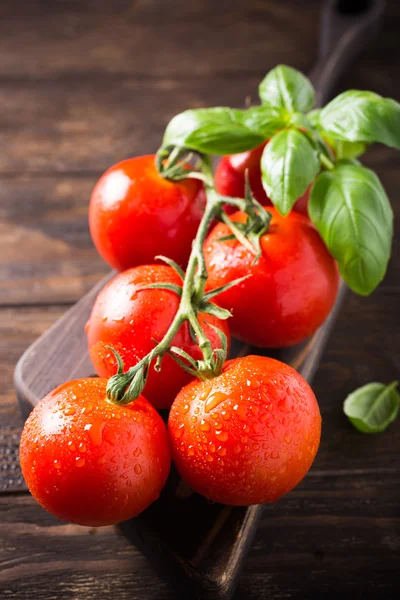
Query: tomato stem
{"x": 123, "y": 388}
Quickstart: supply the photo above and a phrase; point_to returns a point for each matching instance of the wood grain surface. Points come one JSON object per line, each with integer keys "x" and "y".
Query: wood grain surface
{"x": 84, "y": 84}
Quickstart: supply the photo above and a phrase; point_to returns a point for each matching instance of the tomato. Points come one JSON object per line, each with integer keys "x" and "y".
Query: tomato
{"x": 130, "y": 320}
{"x": 231, "y": 170}
{"x": 230, "y": 178}
{"x": 135, "y": 214}
{"x": 89, "y": 461}
{"x": 292, "y": 287}
{"x": 247, "y": 436}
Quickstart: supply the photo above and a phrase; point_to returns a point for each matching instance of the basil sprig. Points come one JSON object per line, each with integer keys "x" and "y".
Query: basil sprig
{"x": 373, "y": 407}
{"x": 352, "y": 213}
{"x": 318, "y": 147}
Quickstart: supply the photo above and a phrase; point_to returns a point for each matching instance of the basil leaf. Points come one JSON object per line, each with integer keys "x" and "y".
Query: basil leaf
{"x": 373, "y": 407}
{"x": 285, "y": 87}
{"x": 357, "y": 116}
{"x": 344, "y": 149}
{"x": 289, "y": 164}
{"x": 223, "y": 130}
{"x": 352, "y": 213}
{"x": 341, "y": 148}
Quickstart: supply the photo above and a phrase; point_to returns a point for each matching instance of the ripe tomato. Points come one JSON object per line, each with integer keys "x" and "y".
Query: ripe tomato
{"x": 292, "y": 287}
{"x": 129, "y": 321}
{"x": 230, "y": 178}
{"x": 247, "y": 436}
{"x": 89, "y": 461}
{"x": 135, "y": 214}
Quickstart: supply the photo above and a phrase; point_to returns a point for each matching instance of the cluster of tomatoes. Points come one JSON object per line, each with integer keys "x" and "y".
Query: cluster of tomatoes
{"x": 248, "y": 435}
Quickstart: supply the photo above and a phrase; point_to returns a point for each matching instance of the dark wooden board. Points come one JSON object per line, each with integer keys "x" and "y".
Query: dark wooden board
{"x": 339, "y": 532}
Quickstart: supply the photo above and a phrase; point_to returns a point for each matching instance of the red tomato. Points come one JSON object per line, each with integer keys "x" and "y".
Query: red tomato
{"x": 135, "y": 214}
{"x": 89, "y": 461}
{"x": 230, "y": 178}
{"x": 292, "y": 287}
{"x": 247, "y": 436}
{"x": 130, "y": 320}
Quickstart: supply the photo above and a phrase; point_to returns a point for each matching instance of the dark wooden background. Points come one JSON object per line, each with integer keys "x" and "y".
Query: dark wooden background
{"x": 85, "y": 84}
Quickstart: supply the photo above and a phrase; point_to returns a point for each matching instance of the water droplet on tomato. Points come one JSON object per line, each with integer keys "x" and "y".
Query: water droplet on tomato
{"x": 196, "y": 411}
{"x": 213, "y": 400}
{"x": 226, "y": 415}
{"x": 104, "y": 319}
{"x": 70, "y": 410}
{"x": 138, "y": 469}
{"x": 110, "y": 436}
{"x": 80, "y": 461}
{"x": 218, "y": 424}
{"x": 240, "y": 411}
{"x": 185, "y": 408}
{"x": 212, "y": 447}
{"x": 193, "y": 419}
{"x": 221, "y": 451}
{"x": 86, "y": 410}
{"x": 179, "y": 431}
{"x": 190, "y": 450}
{"x": 256, "y": 446}
{"x": 209, "y": 458}
{"x": 237, "y": 449}
{"x": 244, "y": 439}
{"x": 275, "y": 454}
{"x": 119, "y": 319}
{"x": 256, "y": 427}
{"x": 82, "y": 447}
{"x": 57, "y": 464}
{"x": 33, "y": 469}
{"x": 95, "y": 432}
{"x": 288, "y": 438}
{"x": 222, "y": 435}
{"x": 137, "y": 452}
{"x": 204, "y": 425}
{"x": 262, "y": 418}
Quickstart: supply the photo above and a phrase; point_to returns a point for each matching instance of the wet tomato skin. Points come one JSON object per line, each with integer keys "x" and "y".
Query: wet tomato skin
{"x": 89, "y": 461}
{"x": 135, "y": 214}
{"x": 248, "y": 436}
{"x": 230, "y": 178}
{"x": 130, "y": 320}
{"x": 292, "y": 287}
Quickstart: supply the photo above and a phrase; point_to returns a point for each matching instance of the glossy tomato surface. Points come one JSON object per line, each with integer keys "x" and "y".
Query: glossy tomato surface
{"x": 89, "y": 461}
{"x": 230, "y": 177}
{"x": 130, "y": 320}
{"x": 249, "y": 435}
{"x": 292, "y": 287}
{"x": 135, "y": 214}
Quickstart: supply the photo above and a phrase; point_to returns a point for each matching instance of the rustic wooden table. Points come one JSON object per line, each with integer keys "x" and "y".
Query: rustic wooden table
{"x": 83, "y": 85}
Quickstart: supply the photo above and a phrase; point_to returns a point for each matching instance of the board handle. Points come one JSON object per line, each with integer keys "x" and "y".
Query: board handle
{"x": 346, "y": 29}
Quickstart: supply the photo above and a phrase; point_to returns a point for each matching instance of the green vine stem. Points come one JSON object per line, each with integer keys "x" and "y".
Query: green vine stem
{"x": 123, "y": 388}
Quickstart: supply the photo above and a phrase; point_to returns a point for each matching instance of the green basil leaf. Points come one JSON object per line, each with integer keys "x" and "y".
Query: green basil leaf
{"x": 313, "y": 116}
{"x": 223, "y": 130}
{"x": 344, "y": 149}
{"x": 285, "y": 87}
{"x": 289, "y": 164}
{"x": 357, "y": 116}
{"x": 352, "y": 213}
{"x": 341, "y": 148}
{"x": 373, "y": 407}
